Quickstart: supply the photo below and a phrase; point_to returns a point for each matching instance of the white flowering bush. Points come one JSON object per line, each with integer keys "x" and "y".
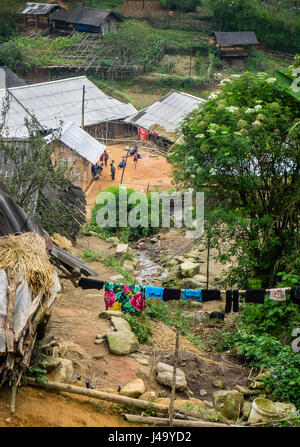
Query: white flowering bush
{"x": 246, "y": 143}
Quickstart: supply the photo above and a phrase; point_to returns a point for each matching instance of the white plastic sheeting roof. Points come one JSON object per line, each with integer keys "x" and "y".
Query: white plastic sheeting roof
{"x": 168, "y": 112}
{"x": 56, "y": 102}
{"x": 82, "y": 143}
{"x": 37, "y": 8}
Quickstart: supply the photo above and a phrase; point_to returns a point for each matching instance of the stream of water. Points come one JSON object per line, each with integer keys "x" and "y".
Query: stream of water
{"x": 148, "y": 270}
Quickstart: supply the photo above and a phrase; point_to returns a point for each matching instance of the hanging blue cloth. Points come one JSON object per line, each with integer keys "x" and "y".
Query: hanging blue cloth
{"x": 192, "y": 294}
{"x": 154, "y": 292}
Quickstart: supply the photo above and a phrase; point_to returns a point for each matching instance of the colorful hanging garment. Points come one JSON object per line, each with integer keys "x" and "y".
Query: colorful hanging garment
{"x": 210, "y": 295}
{"x": 255, "y": 296}
{"x": 143, "y": 134}
{"x": 277, "y": 295}
{"x": 123, "y": 297}
{"x": 86, "y": 283}
{"x": 232, "y": 301}
{"x": 192, "y": 294}
{"x": 295, "y": 294}
{"x": 154, "y": 292}
{"x": 171, "y": 294}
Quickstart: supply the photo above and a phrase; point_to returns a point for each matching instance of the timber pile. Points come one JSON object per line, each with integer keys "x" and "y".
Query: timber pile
{"x": 28, "y": 286}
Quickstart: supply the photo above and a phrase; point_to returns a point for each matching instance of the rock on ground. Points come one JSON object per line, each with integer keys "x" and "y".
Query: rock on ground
{"x": 64, "y": 373}
{"x": 220, "y": 396}
{"x": 121, "y": 248}
{"x": 189, "y": 269}
{"x": 165, "y": 376}
{"x": 148, "y": 395}
{"x": 120, "y": 324}
{"x": 122, "y": 342}
{"x": 107, "y": 314}
{"x": 128, "y": 266}
{"x": 233, "y": 405}
{"x": 134, "y": 388}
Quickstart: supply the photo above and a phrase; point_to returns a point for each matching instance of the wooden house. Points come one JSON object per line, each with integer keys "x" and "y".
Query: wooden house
{"x": 87, "y": 20}
{"x": 235, "y": 44}
{"x": 38, "y": 13}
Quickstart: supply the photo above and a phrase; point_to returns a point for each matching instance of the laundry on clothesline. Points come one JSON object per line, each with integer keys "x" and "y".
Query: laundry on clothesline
{"x": 192, "y": 294}
{"x": 210, "y": 295}
{"x": 295, "y": 294}
{"x": 171, "y": 294}
{"x": 255, "y": 296}
{"x": 124, "y": 297}
{"x": 154, "y": 292}
{"x": 86, "y": 283}
{"x": 277, "y": 295}
{"x": 232, "y": 301}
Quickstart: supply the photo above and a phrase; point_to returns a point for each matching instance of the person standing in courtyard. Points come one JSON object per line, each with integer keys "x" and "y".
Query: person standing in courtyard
{"x": 106, "y": 157}
{"x": 113, "y": 170}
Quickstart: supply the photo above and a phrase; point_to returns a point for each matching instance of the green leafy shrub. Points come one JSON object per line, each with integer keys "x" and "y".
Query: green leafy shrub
{"x": 125, "y": 233}
{"x": 140, "y": 326}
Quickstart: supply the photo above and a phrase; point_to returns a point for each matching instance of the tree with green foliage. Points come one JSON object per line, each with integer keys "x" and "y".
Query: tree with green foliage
{"x": 242, "y": 148}
{"x": 27, "y": 169}
{"x": 181, "y": 5}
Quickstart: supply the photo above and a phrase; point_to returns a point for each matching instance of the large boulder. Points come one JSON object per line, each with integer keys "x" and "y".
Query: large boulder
{"x": 128, "y": 266}
{"x": 121, "y": 249}
{"x": 148, "y": 395}
{"x": 176, "y": 271}
{"x": 165, "y": 376}
{"x": 64, "y": 373}
{"x": 122, "y": 342}
{"x": 134, "y": 388}
{"x": 200, "y": 278}
{"x": 285, "y": 408}
{"x": 107, "y": 314}
{"x": 120, "y": 324}
{"x": 219, "y": 397}
{"x": 51, "y": 363}
{"x": 233, "y": 405}
{"x": 191, "y": 283}
{"x": 189, "y": 269}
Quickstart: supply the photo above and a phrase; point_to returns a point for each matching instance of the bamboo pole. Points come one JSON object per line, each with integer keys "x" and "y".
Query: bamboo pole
{"x": 116, "y": 398}
{"x": 176, "y": 422}
{"x": 171, "y": 410}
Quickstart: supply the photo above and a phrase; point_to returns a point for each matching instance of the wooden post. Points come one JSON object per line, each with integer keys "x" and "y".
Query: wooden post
{"x": 171, "y": 409}
{"x": 125, "y": 164}
{"x": 82, "y": 107}
{"x": 207, "y": 263}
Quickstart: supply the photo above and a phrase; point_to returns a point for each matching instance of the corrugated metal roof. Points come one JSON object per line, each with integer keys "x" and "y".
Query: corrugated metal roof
{"x": 236, "y": 38}
{"x": 88, "y": 16}
{"x": 82, "y": 143}
{"x": 60, "y": 14}
{"x": 168, "y": 112}
{"x": 37, "y": 8}
{"x": 61, "y": 101}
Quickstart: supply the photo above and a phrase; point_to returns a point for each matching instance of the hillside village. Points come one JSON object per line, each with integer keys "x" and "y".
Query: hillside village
{"x": 149, "y": 324}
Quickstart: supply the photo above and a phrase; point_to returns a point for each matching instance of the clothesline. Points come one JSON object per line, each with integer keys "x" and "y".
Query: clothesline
{"x": 132, "y": 298}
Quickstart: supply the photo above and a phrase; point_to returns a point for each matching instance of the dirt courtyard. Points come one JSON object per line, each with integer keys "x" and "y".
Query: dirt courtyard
{"x": 152, "y": 172}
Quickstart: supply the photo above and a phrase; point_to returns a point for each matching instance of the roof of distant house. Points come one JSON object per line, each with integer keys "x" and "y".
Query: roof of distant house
{"x": 9, "y": 79}
{"x": 236, "y": 38}
{"x": 168, "y": 112}
{"x": 37, "y": 8}
{"x": 80, "y": 142}
{"x": 60, "y": 102}
{"x": 88, "y": 16}
{"x": 60, "y": 14}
